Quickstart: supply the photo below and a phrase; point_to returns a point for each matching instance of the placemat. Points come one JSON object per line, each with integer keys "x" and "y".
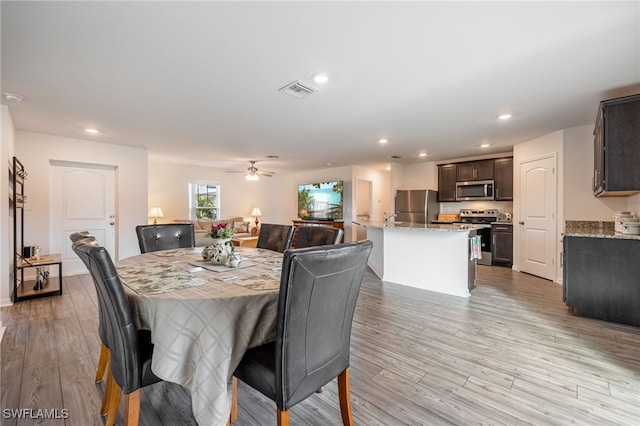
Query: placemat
{"x": 157, "y": 278}
{"x": 264, "y": 281}
{"x": 221, "y": 268}
{"x": 178, "y": 252}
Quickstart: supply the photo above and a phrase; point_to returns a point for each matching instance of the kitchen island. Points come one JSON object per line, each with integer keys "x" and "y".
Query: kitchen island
{"x": 433, "y": 257}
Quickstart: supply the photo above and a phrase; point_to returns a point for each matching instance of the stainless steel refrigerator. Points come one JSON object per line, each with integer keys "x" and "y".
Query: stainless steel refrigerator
{"x": 416, "y": 205}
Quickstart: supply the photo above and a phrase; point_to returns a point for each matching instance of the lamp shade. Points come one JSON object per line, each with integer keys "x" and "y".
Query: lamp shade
{"x": 256, "y": 212}
{"x": 156, "y": 212}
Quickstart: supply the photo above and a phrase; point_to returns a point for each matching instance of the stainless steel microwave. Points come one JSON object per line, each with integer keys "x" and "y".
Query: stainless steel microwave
{"x": 474, "y": 190}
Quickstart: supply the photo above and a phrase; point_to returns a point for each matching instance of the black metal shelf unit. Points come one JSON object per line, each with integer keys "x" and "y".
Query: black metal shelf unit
{"x": 43, "y": 285}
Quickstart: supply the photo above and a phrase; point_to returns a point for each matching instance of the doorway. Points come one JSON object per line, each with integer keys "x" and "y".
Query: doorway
{"x": 82, "y": 198}
{"x": 363, "y": 206}
{"x": 537, "y": 225}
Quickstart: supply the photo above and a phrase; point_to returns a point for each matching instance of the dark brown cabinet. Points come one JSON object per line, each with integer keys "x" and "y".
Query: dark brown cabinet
{"x": 475, "y": 170}
{"x": 617, "y": 147}
{"x": 503, "y": 172}
{"x": 502, "y": 245}
{"x": 447, "y": 174}
{"x": 600, "y": 278}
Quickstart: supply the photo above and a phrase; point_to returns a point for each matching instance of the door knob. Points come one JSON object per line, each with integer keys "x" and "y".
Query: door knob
{"x": 521, "y": 223}
{"x": 112, "y": 223}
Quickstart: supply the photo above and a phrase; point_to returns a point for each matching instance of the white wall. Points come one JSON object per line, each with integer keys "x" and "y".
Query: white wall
{"x": 169, "y": 190}
{"x": 7, "y": 149}
{"x": 277, "y": 196}
{"x": 536, "y": 148}
{"x": 579, "y": 203}
{"x": 420, "y": 176}
{"x": 36, "y": 151}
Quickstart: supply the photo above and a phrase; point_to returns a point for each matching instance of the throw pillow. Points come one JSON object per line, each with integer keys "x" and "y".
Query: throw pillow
{"x": 240, "y": 227}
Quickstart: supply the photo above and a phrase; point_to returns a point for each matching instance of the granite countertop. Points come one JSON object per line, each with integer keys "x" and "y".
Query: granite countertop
{"x": 458, "y": 227}
{"x": 594, "y": 229}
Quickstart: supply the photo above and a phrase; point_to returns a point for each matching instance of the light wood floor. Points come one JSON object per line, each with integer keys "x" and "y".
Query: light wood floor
{"x": 511, "y": 354}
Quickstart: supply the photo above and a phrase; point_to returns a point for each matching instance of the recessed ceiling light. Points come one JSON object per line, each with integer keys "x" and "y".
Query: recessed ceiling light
{"x": 92, "y": 131}
{"x": 383, "y": 141}
{"x": 329, "y": 164}
{"x": 320, "y": 78}
{"x": 422, "y": 154}
{"x": 273, "y": 157}
{"x": 485, "y": 145}
{"x": 504, "y": 116}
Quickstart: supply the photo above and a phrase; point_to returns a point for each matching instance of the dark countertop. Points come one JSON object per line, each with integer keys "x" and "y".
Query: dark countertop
{"x": 594, "y": 229}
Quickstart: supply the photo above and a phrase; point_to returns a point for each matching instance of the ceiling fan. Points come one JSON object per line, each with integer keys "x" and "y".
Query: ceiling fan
{"x": 252, "y": 172}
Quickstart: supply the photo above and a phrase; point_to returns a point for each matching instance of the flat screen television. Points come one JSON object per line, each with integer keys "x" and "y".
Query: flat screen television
{"x": 320, "y": 200}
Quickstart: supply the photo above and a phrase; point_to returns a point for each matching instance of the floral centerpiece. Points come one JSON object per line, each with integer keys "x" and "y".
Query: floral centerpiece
{"x": 221, "y": 230}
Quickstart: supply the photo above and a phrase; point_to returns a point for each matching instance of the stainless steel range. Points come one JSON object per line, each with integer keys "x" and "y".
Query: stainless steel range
{"x": 481, "y": 217}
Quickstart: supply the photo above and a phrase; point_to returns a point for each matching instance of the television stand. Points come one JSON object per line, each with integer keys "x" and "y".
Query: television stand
{"x": 319, "y": 222}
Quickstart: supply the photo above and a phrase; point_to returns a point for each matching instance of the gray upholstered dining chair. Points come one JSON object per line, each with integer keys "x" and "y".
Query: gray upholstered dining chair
{"x": 165, "y": 236}
{"x": 319, "y": 287}
{"x": 130, "y": 349}
{"x": 318, "y": 235}
{"x": 103, "y": 360}
{"x": 104, "y": 350}
{"x": 275, "y": 237}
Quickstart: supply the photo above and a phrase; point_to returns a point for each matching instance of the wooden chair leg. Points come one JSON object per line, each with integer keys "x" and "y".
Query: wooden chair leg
{"x": 108, "y": 388}
{"x": 113, "y": 404}
{"x": 344, "y": 394}
{"x": 102, "y": 362}
{"x": 132, "y": 408}
{"x": 233, "y": 416}
{"x": 283, "y": 417}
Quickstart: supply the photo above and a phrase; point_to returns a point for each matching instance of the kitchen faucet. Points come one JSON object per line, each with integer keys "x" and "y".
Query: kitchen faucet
{"x": 386, "y": 218}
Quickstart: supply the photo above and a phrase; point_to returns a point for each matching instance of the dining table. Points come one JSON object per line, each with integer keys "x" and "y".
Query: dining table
{"x": 203, "y": 317}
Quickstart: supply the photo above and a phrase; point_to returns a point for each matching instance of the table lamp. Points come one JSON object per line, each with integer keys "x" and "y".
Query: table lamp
{"x": 256, "y": 212}
{"x": 155, "y": 213}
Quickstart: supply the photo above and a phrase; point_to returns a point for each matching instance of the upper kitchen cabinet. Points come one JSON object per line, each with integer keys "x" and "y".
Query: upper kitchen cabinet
{"x": 475, "y": 170}
{"x": 617, "y": 147}
{"x": 503, "y": 172}
{"x": 447, "y": 175}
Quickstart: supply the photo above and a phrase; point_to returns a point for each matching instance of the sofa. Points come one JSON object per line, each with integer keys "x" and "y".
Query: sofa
{"x": 241, "y": 228}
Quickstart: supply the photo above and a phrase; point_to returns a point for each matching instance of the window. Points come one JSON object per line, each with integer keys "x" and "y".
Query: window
{"x": 204, "y": 200}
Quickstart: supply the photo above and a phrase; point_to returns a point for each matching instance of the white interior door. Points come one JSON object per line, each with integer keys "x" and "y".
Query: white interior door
{"x": 537, "y": 223}
{"x": 82, "y": 199}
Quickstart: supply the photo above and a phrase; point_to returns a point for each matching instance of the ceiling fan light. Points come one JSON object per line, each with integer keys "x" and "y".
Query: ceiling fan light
{"x": 252, "y": 177}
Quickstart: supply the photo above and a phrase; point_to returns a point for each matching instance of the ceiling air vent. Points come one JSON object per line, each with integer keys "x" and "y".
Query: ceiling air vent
{"x": 297, "y": 89}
